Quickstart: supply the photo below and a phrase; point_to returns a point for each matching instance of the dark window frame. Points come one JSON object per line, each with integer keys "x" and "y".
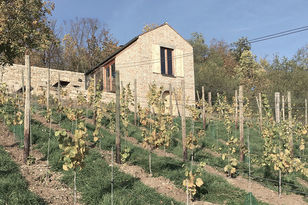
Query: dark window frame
{"x": 166, "y": 61}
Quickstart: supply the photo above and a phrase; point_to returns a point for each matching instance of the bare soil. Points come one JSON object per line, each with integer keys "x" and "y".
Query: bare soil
{"x": 160, "y": 184}
{"x": 51, "y": 190}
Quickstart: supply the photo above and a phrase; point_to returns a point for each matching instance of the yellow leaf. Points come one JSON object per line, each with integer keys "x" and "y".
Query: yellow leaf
{"x": 199, "y": 182}
{"x": 185, "y": 182}
{"x": 95, "y": 139}
{"x": 233, "y": 170}
{"x": 65, "y": 168}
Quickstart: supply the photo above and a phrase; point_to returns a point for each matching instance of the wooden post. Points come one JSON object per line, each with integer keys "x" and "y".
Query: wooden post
{"x": 135, "y": 103}
{"x": 260, "y": 112}
{"x": 23, "y": 83}
{"x": 241, "y": 121}
{"x": 118, "y": 137}
{"x": 282, "y": 108}
{"x": 277, "y": 115}
{"x": 27, "y": 111}
{"x": 210, "y": 98}
{"x": 306, "y": 120}
{"x": 59, "y": 90}
{"x": 277, "y": 107}
{"x": 170, "y": 100}
{"x": 290, "y": 119}
{"x": 289, "y": 107}
{"x": 203, "y": 108}
{"x": 236, "y": 109}
{"x": 94, "y": 87}
{"x": 48, "y": 88}
{"x": 183, "y": 123}
{"x": 198, "y": 96}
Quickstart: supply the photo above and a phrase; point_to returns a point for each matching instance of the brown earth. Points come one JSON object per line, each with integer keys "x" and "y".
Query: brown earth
{"x": 51, "y": 190}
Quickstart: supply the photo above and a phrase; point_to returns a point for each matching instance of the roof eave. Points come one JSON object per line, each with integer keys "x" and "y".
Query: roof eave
{"x": 112, "y": 55}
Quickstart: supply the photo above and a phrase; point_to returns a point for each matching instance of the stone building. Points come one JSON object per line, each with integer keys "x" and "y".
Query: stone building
{"x": 159, "y": 56}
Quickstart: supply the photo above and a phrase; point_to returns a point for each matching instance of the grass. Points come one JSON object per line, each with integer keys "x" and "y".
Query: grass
{"x": 214, "y": 132}
{"x": 94, "y": 180}
{"x": 13, "y": 186}
{"x": 171, "y": 169}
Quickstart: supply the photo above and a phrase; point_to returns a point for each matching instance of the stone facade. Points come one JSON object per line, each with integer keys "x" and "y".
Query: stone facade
{"x": 72, "y": 82}
{"x": 140, "y": 61}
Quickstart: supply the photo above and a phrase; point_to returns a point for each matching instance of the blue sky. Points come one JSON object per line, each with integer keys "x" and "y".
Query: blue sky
{"x": 226, "y": 20}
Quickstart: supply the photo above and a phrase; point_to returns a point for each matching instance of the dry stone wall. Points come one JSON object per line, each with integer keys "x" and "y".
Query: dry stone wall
{"x": 72, "y": 82}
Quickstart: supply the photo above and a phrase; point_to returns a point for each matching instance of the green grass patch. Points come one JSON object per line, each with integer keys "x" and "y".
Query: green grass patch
{"x": 13, "y": 186}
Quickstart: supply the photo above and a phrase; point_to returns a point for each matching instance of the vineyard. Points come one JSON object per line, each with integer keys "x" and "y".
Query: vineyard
{"x": 231, "y": 151}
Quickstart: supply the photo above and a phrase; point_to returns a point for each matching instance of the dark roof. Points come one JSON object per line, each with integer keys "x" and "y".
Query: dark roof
{"x": 112, "y": 55}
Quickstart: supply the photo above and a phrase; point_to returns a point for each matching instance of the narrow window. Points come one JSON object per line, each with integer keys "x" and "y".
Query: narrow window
{"x": 169, "y": 60}
{"x": 166, "y": 61}
{"x": 113, "y": 73}
{"x": 108, "y": 72}
{"x": 162, "y": 60}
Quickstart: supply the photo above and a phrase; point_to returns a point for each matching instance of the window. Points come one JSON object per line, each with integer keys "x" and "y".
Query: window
{"x": 113, "y": 73}
{"x": 166, "y": 61}
{"x": 109, "y": 73}
{"x": 63, "y": 84}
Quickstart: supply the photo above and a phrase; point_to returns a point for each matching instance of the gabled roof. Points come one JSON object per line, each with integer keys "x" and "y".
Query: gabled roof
{"x": 126, "y": 45}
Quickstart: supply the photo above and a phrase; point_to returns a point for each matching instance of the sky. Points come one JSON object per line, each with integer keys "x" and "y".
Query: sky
{"x": 226, "y": 20}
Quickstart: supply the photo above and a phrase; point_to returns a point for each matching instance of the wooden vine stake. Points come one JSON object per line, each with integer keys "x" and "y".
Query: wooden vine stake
{"x": 23, "y": 84}
{"x": 59, "y": 90}
{"x": 306, "y": 112}
{"x": 210, "y": 98}
{"x": 241, "y": 121}
{"x": 48, "y": 88}
{"x": 290, "y": 120}
{"x": 112, "y": 179}
{"x": 118, "y": 137}
{"x": 259, "y": 103}
{"x": 135, "y": 103}
{"x": 94, "y": 87}
{"x": 27, "y": 111}
{"x": 277, "y": 117}
{"x": 236, "y": 109}
{"x": 183, "y": 123}
{"x": 282, "y": 108}
{"x": 203, "y": 108}
{"x": 198, "y": 96}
